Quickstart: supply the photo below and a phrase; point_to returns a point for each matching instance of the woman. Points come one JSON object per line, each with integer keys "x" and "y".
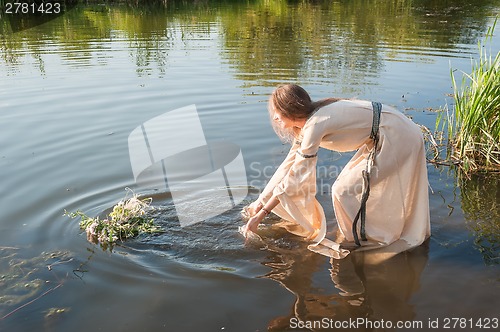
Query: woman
{"x": 380, "y": 198}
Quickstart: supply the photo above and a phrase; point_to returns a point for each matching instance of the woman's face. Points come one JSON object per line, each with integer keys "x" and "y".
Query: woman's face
{"x": 285, "y": 122}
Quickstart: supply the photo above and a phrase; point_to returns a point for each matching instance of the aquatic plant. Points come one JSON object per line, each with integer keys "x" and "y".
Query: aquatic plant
{"x": 473, "y": 128}
{"x": 23, "y": 281}
{"x": 127, "y": 219}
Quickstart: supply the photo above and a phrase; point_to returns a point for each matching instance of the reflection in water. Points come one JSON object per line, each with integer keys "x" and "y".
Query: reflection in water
{"x": 323, "y": 39}
{"x": 359, "y": 289}
{"x": 481, "y": 206}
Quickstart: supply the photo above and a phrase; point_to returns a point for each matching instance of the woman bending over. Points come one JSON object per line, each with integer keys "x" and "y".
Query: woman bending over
{"x": 380, "y": 198}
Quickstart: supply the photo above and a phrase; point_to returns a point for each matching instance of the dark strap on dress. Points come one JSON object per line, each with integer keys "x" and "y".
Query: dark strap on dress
{"x": 374, "y": 135}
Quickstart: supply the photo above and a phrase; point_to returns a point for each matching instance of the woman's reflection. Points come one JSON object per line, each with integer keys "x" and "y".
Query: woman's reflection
{"x": 363, "y": 286}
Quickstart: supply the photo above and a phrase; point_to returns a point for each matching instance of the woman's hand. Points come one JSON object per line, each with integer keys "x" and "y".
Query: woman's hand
{"x": 253, "y": 223}
{"x": 256, "y": 213}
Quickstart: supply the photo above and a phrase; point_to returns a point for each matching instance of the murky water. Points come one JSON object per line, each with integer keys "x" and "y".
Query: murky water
{"x": 72, "y": 90}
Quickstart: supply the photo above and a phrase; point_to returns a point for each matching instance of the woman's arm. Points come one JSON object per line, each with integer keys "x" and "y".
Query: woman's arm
{"x": 278, "y": 175}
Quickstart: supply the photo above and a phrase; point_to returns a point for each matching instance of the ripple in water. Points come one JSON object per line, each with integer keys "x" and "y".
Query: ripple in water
{"x": 213, "y": 243}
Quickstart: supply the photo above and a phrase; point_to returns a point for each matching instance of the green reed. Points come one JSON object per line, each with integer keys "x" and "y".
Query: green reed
{"x": 473, "y": 128}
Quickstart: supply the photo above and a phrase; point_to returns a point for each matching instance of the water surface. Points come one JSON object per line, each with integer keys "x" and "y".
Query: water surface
{"x": 73, "y": 89}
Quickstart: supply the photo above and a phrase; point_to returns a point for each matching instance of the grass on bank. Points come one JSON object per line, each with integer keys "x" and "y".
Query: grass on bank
{"x": 473, "y": 127}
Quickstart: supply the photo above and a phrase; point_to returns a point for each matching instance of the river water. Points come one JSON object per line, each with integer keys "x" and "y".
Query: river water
{"x": 74, "y": 89}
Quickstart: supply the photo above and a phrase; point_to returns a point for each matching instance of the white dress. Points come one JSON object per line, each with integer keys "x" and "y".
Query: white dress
{"x": 397, "y": 210}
